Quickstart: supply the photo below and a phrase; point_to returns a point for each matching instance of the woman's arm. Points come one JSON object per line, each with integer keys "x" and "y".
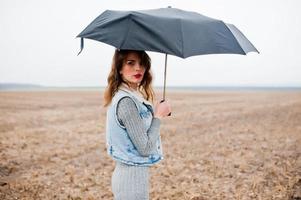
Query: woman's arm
{"x": 143, "y": 140}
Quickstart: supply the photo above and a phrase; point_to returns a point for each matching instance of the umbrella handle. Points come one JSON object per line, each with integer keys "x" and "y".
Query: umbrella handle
{"x": 163, "y": 101}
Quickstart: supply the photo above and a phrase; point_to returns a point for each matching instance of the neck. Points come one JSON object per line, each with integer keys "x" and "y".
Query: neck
{"x": 131, "y": 86}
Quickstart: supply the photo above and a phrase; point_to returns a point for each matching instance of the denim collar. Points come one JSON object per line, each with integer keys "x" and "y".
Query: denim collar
{"x": 134, "y": 93}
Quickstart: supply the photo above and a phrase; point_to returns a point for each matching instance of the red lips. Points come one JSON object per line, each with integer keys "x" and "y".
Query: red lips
{"x": 138, "y": 75}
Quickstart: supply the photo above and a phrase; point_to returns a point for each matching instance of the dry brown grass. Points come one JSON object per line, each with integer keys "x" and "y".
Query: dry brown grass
{"x": 217, "y": 145}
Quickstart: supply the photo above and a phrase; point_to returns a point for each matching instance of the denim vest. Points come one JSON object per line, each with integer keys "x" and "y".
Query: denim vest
{"x": 119, "y": 144}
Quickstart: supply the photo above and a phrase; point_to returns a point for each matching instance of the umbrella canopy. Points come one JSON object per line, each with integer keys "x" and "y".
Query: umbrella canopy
{"x": 167, "y": 30}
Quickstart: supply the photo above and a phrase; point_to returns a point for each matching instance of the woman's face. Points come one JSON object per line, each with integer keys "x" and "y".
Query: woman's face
{"x": 132, "y": 70}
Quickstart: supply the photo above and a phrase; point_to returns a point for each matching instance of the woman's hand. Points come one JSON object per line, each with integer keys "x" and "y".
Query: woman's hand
{"x": 162, "y": 109}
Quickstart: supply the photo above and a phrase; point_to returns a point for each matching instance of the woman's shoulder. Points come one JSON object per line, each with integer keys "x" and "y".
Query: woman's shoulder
{"x": 120, "y": 94}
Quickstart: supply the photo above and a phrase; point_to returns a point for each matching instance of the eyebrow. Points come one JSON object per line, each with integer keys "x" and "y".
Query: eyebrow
{"x": 131, "y": 60}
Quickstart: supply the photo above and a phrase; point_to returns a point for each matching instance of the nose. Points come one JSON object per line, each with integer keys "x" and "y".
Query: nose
{"x": 138, "y": 66}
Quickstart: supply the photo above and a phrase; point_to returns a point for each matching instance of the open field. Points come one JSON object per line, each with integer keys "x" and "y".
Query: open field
{"x": 217, "y": 145}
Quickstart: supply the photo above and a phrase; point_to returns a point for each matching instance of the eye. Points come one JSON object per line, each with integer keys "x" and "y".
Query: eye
{"x": 130, "y": 62}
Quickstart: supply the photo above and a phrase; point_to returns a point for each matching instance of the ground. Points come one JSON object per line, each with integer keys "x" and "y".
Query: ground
{"x": 217, "y": 145}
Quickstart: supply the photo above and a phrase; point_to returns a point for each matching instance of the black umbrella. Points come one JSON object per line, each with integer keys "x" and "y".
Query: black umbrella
{"x": 167, "y": 30}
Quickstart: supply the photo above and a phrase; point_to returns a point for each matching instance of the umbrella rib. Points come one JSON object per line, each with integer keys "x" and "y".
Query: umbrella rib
{"x": 182, "y": 34}
{"x": 128, "y": 30}
{"x": 235, "y": 39}
{"x": 246, "y": 52}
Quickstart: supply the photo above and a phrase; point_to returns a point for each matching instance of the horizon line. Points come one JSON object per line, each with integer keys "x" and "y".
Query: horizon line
{"x": 155, "y": 86}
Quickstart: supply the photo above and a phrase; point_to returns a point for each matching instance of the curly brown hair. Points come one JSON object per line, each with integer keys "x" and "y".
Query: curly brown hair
{"x": 115, "y": 79}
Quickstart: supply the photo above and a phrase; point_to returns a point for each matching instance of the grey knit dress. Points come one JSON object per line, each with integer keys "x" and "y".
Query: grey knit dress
{"x": 132, "y": 182}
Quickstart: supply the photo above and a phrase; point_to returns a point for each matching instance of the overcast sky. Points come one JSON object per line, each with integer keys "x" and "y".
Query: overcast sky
{"x": 38, "y": 44}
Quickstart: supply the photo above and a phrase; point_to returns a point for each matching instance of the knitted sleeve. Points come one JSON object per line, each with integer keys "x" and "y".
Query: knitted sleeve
{"x": 144, "y": 140}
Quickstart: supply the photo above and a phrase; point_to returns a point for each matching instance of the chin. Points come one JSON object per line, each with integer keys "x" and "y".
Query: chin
{"x": 136, "y": 82}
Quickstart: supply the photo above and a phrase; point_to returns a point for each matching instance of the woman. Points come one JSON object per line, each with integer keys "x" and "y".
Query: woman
{"x": 132, "y": 128}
